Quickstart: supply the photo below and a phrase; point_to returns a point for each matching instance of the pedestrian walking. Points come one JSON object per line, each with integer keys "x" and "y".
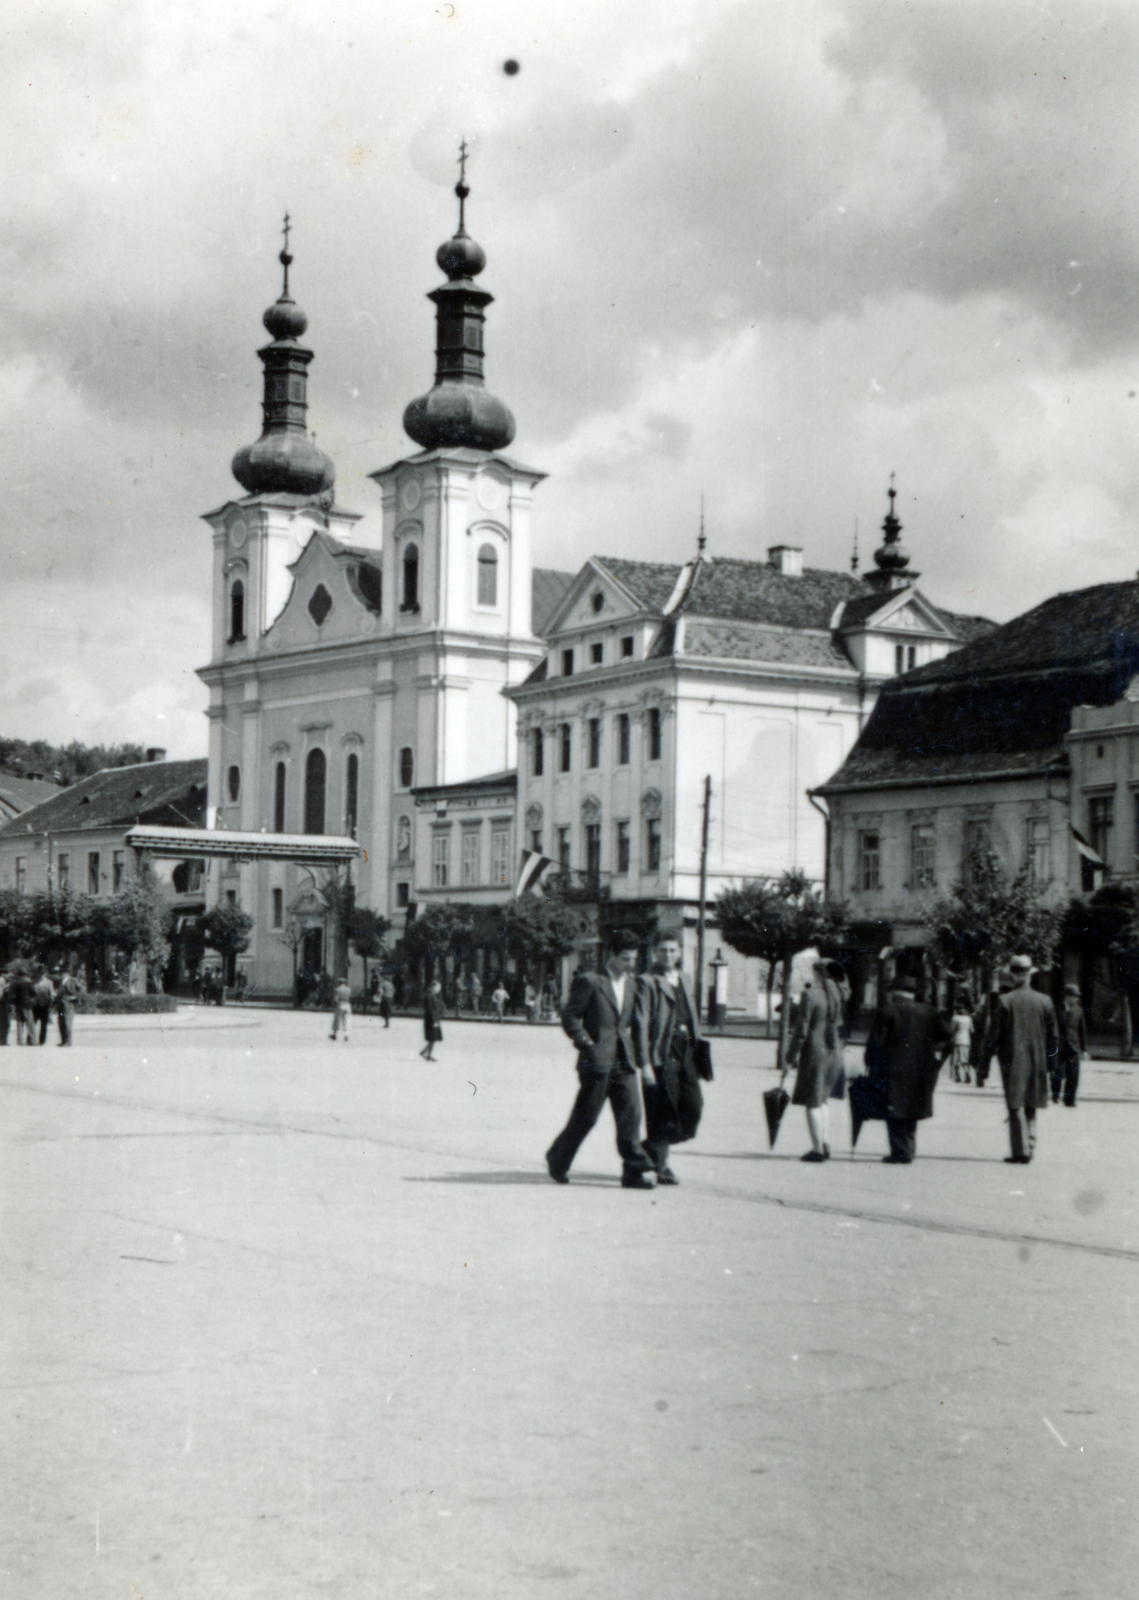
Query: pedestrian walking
{"x": 65, "y": 992}
{"x": 341, "y": 1009}
{"x": 1073, "y": 1047}
{"x": 42, "y": 1006}
{"x": 666, "y": 1030}
{"x": 530, "y": 1002}
{"x": 387, "y": 995}
{"x": 906, "y": 1045}
{"x": 1026, "y": 1049}
{"x": 598, "y": 1018}
{"x": 962, "y": 1043}
{"x": 816, "y": 1051}
{"x": 5, "y": 1007}
{"x": 499, "y": 999}
{"x": 432, "y": 1019}
{"x": 24, "y": 1007}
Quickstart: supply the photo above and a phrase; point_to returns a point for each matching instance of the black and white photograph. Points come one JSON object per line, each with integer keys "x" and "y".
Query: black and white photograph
{"x": 569, "y": 703}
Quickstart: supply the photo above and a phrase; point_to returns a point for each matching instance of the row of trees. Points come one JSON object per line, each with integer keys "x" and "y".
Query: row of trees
{"x": 65, "y": 763}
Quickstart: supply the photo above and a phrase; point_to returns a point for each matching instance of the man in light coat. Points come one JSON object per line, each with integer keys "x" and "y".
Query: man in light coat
{"x": 598, "y": 1018}
{"x": 1027, "y": 1041}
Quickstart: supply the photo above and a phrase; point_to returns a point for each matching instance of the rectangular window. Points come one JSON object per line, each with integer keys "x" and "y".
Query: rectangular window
{"x": 440, "y": 860}
{"x": 869, "y": 859}
{"x": 977, "y": 841}
{"x": 403, "y": 895}
{"x": 623, "y": 739}
{"x": 470, "y": 862}
{"x": 652, "y": 845}
{"x": 566, "y": 745}
{"x": 536, "y": 841}
{"x": 537, "y": 752}
{"x": 500, "y": 856}
{"x": 92, "y": 872}
{"x": 567, "y": 663}
{"x": 279, "y": 798}
{"x": 594, "y": 742}
{"x": 899, "y": 658}
{"x": 627, "y": 647}
{"x": 654, "y": 733}
{"x": 21, "y": 874}
{"x": 622, "y": 848}
{"x": 63, "y": 861}
{"x": 593, "y": 848}
{"x": 1101, "y": 816}
{"x": 278, "y": 908}
{"x": 596, "y": 654}
{"x": 922, "y": 844}
{"x": 118, "y": 870}
{"x": 911, "y": 657}
{"x": 564, "y": 849}
{"x": 1037, "y": 852}
{"x": 231, "y": 897}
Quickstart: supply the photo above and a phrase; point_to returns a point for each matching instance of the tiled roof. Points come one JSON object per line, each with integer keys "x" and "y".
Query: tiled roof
{"x": 753, "y": 591}
{"x": 20, "y": 794}
{"x": 749, "y": 641}
{"x": 651, "y": 581}
{"x": 546, "y": 590}
{"x": 1004, "y": 702}
{"x": 967, "y": 628}
{"x": 171, "y": 792}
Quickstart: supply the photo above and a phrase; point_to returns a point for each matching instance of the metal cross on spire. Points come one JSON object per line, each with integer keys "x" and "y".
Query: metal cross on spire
{"x": 285, "y": 258}
{"x": 701, "y": 541}
{"x": 461, "y": 187}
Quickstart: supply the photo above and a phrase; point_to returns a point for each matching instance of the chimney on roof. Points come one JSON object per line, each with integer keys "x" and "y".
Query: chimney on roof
{"x": 156, "y": 753}
{"x": 787, "y": 559}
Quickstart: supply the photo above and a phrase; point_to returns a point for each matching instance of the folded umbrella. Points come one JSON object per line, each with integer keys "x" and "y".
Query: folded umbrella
{"x": 775, "y": 1103}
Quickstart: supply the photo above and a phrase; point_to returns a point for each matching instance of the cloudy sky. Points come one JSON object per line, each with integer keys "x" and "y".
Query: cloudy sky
{"x": 764, "y": 252}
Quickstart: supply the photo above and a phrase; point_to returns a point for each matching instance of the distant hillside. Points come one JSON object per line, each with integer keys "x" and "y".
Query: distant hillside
{"x": 65, "y": 764}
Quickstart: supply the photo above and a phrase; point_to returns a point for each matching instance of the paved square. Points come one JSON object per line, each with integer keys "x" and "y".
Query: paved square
{"x": 287, "y": 1318}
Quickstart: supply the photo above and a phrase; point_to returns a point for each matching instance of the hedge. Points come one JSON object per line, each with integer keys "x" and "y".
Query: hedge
{"x": 124, "y": 1004}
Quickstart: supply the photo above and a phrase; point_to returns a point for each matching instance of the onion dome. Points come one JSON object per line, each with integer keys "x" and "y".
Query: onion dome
{"x": 458, "y": 411}
{"x": 891, "y": 558}
{"x": 285, "y": 460}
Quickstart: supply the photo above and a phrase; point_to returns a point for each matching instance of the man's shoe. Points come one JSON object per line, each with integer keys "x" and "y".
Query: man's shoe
{"x": 637, "y": 1180}
{"x": 1017, "y": 1161}
{"x": 667, "y": 1177}
{"x": 896, "y": 1161}
{"x": 813, "y": 1155}
{"x": 555, "y": 1172}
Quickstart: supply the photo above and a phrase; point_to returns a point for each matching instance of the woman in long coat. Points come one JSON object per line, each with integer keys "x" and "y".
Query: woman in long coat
{"x": 816, "y": 1050}
{"x": 665, "y": 1033}
{"x": 432, "y": 1019}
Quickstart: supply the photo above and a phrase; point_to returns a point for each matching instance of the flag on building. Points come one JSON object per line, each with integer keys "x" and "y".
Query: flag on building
{"x": 531, "y": 869}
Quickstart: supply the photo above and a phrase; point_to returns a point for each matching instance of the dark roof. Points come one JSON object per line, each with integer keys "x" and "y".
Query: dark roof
{"x": 19, "y": 794}
{"x": 753, "y": 591}
{"x": 172, "y": 793}
{"x": 967, "y": 628}
{"x": 547, "y": 587}
{"x": 1004, "y": 702}
{"x": 651, "y": 581}
{"x": 749, "y": 641}
{"x": 863, "y": 607}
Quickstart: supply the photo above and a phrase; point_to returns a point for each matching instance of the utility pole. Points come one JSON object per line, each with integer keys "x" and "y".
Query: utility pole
{"x": 700, "y": 1007}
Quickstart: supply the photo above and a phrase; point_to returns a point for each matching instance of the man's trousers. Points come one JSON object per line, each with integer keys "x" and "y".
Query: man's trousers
{"x": 1022, "y": 1131}
{"x": 620, "y": 1087}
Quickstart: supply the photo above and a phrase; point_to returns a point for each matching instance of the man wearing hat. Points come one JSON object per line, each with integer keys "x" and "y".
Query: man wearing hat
{"x": 904, "y": 1051}
{"x": 1073, "y": 1047}
{"x": 1026, "y": 1049}
{"x": 598, "y": 1017}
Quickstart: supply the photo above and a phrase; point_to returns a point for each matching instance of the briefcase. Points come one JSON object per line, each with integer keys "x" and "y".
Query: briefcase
{"x": 703, "y": 1060}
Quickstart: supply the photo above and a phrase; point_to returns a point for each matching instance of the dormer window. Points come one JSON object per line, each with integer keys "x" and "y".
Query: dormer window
{"x": 567, "y": 663}
{"x": 488, "y": 576}
{"x": 410, "y": 601}
{"x": 627, "y": 647}
{"x": 237, "y": 612}
{"x": 596, "y": 654}
{"x": 597, "y": 602}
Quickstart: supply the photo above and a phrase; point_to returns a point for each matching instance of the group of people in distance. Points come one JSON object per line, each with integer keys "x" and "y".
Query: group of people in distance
{"x": 638, "y": 1042}
{"x": 30, "y": 1001}
{"x": 639, "y": 1048}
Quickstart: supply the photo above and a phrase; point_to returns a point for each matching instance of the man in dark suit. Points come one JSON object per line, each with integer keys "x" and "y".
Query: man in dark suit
{"x": 904, "y": 1051}
{"x": 598, "y": 1018}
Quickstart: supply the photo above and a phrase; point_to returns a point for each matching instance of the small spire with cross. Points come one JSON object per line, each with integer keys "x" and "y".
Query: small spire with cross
{"x": 854, "y": 552}
{"x": 701, "y": 540}
{"x": 461, "y": 188}
{"x": 285, "y": 258}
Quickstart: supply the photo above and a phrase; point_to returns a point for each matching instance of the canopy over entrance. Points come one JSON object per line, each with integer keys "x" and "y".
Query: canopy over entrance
{"x": 309, "y": 848}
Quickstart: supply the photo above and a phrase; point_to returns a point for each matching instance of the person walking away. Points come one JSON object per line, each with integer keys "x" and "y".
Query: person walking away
{"x": 24, "y": 1007}
{"x": 42, "y": 1007}
{"x": 598, "y": 1018}
{"x": 1027, "y": 1039}
{"x": 5, "y": 1007}
{"x": 816, "y": 1050}
{"x": 1073, "y": 1047}
{"x": 962, "y": 1041}
{"x": 906, "y": 1045}
{"x": 341, "y": 1008}
{"x": 432, "y": 1019}
{"x": 499, "y": 999}
{"x": 387, "y": 995}
{"x": 65, "y": 992}
{"x": 665, "y": 1033}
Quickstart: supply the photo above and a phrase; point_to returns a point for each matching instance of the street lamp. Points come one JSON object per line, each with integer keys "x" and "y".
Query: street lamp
{"x": 717, "y": 1011}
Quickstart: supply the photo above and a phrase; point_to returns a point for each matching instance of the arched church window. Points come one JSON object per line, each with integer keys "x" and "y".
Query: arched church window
{"x": 406, "y": 767}
{"x": 233, "y": 780}
{"x": 316, "y": 774}
{"x": 279, "y": 798}
{"x": 410, "y": 579}
{"x": 488, "y": 575}
{"x": 237, "y": 612}
{"x": 351, "y": 793}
